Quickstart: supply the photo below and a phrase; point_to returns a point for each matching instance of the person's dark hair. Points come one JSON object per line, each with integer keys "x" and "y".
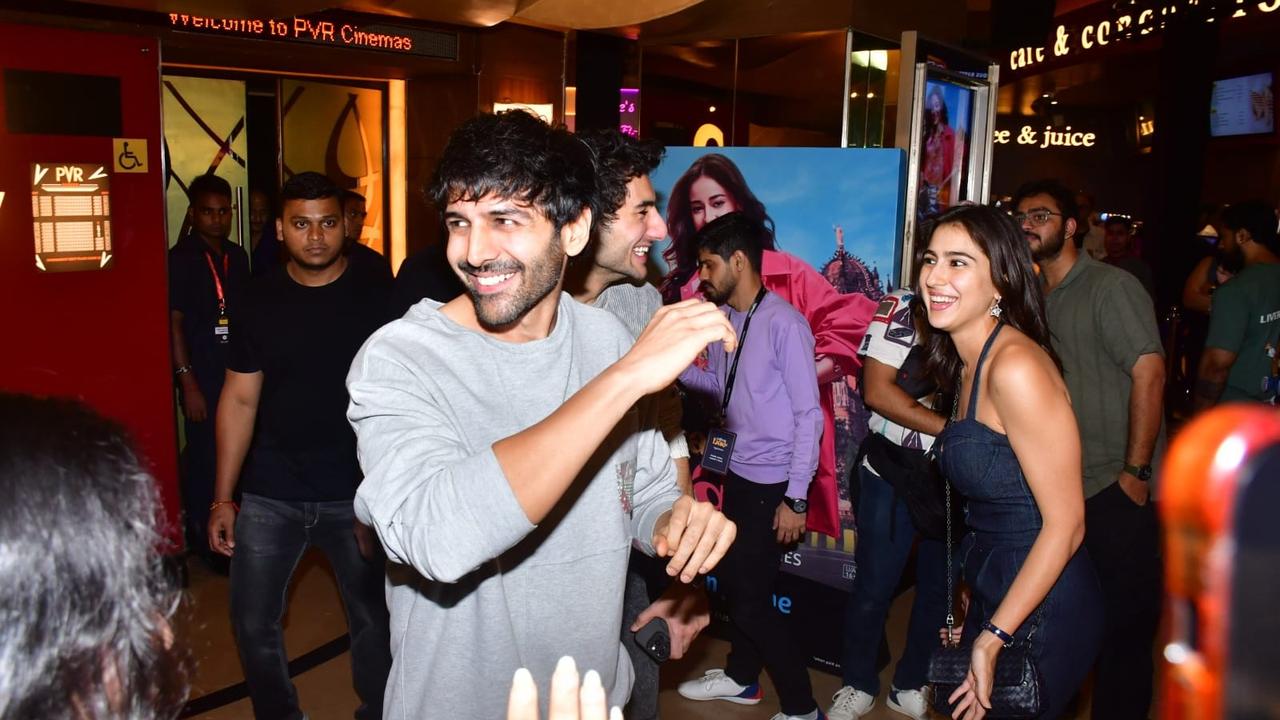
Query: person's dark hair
{"x": 731, "y": 233}
{"x": 1123, "y": 222}
{"x": 348, "y": 195}
{"x": 931, "y": 126}
{"x": 1062, "y": 197}
{"x": 309, "y": 186}
{"x": 1012, "y": 272}
{"x": 208, "y": 184}
{"x": 515, "y": 155}
{"x": 1256, "y": 216}
{"x": 84, "y": 601}
{"x": 619, "y": 159}
{"x": 682, "y": 255}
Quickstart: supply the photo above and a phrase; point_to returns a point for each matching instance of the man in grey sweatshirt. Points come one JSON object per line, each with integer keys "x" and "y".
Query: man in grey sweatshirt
{"x": 509, "y": 461}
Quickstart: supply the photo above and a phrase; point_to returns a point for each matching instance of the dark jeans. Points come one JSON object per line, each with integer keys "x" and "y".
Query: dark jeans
{"x": 642, "y": 573}
{"x": 885, "y": 537}
{"x": 759, "y": 636}
{"x": 271, "y": 536}
{"x": 1124, "y": 543}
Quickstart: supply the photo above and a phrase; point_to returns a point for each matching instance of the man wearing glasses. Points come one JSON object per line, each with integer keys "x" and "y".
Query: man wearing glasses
{"x": 1103, "y": 327}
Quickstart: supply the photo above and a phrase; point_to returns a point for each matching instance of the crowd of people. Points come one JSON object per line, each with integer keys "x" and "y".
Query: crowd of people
{"x": 472, "y": 450}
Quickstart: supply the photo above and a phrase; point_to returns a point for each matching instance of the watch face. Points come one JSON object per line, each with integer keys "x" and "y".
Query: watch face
{"x": 798, "y": 506}
{"x": 1144, "y": 473}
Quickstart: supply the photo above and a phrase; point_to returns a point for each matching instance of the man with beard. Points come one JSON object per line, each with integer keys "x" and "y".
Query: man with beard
{"x": 1103, "y": 329}
{"x": 509, "y": 462}
{"x": 1243, "y": 346}
{"x": 282, "y": 420}
{"x": 767, "y": 442}
{"x": 610, "y": 275}
{"x": 207, "y": 278}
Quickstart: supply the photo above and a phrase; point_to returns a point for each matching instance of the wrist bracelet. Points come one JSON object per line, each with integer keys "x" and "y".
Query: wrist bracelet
{"x": 1005, "y": 637}
{"x": 214, "y": 505}
{"x": 182, "y": 370}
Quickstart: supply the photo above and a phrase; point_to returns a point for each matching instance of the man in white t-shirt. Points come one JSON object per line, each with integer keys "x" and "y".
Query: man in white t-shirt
{"x": 902, "y": 427}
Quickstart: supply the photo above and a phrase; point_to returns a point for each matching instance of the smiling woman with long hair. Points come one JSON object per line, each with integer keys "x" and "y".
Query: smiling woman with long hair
{"x": 1013, "y": 451}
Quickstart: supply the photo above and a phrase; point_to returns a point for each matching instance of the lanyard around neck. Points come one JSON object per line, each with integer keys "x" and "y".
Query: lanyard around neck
{"x": 737, "y": 355}
{"x": 217, "y": 281}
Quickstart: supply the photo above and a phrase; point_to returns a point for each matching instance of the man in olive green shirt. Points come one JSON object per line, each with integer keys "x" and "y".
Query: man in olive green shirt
{"x": 1239, "y": 360}
{"x": 1103, "y": 327}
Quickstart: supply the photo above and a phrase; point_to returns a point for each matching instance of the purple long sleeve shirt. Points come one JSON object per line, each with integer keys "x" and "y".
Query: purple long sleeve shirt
{"x": 774, "y": 408}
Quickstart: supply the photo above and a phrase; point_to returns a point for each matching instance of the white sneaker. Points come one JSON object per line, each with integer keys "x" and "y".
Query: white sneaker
{"x": 715, "y": 685}
{"x": 850, "y": 704}
{"x": 912, "y": 703}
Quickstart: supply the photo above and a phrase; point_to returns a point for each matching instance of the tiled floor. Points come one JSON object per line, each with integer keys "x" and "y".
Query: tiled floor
{"x": 315, "y": 617}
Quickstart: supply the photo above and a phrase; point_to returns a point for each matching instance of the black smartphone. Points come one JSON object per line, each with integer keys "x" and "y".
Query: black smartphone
{"x": 655, "y": 639}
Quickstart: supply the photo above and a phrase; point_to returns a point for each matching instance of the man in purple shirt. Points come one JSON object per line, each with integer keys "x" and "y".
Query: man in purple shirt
{"x": 772, "y": 422}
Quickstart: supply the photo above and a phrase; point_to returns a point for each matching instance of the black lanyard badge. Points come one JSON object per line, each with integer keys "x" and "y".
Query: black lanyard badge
{"x": 715, "y": 458}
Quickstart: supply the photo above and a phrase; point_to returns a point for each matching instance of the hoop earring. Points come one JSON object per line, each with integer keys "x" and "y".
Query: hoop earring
{"x": 995, "y": 307}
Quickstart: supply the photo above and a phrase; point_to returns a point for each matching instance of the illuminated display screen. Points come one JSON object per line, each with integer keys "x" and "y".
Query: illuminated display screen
{"x": 71, "y": 216}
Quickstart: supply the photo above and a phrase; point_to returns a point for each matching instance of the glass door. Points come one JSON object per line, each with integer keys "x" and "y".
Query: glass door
{"x": 338, "y": 130}
{"x": 204, "y": 132}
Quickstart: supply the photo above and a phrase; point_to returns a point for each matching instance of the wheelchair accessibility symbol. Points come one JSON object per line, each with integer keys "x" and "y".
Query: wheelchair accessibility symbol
{"x": 130, "y": 155}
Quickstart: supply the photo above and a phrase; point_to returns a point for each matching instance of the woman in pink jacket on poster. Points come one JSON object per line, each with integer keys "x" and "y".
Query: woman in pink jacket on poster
{"x": 713, "y": 186}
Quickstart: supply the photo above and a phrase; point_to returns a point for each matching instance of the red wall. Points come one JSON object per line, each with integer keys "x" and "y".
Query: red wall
{"x": 99, "y": 336}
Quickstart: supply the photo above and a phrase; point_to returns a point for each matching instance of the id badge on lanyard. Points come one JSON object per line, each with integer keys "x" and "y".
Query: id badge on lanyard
{"x": 720, "y": 440}
{"x": 221, "y": 329}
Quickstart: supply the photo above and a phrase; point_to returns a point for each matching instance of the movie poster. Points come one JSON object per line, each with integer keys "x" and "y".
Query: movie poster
{"x": 944, "y": 142}
{"x": 837, "y": 216}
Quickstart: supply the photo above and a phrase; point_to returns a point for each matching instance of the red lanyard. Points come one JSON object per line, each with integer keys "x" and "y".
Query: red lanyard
{"x": 217, "y": 282}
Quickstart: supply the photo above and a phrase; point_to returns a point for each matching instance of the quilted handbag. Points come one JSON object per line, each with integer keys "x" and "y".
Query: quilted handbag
{"x": 1016, "y": 688}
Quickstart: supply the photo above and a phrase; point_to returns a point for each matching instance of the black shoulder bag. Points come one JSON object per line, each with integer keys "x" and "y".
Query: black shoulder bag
{"x": 1016, "y": 688}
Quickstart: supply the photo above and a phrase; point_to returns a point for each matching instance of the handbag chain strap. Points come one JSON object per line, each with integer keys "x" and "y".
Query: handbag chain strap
{"x": 951, "y": 595}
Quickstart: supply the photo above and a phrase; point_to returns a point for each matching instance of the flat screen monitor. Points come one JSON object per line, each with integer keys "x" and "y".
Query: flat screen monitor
{"x": 1242, "y": 106}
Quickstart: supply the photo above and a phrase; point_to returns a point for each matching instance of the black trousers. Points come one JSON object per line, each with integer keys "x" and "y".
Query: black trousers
{"x": 760, "y": 638}
{"x": 1124, "y": 542}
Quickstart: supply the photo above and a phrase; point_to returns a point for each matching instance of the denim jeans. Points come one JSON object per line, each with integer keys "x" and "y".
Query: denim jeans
{"x": 885, "y": 537}
{"x": 271, "y": 536}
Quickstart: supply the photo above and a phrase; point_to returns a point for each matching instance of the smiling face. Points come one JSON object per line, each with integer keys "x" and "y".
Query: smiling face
{"x": 955, "y": 280}
{"x": 311, "y": 231}
{"x": 624, "y": 245}
{"x": 709, "y": 200}
{"x": 507, "y": 253}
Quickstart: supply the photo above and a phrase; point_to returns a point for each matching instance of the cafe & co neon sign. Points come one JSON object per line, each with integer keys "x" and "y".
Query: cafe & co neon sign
{"x": 1067, "y": 41}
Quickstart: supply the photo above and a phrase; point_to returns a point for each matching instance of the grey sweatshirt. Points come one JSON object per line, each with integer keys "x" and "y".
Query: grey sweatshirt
{"x": 474, "y": 589}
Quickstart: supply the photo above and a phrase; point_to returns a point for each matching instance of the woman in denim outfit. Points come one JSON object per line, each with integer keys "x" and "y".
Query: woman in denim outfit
{"x": 1014, "y": 454}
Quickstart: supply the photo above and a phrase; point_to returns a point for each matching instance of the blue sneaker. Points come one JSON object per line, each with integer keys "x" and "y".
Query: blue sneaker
{"x": 715, "y": 685}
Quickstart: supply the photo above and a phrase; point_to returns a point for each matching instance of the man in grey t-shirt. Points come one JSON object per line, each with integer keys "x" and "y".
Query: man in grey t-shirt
{"x": 610, "y": 275}
{"x": 508, "y": 464}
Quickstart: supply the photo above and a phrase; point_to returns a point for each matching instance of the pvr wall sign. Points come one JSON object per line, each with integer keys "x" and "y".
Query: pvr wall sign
{"x": 71, "y": 216}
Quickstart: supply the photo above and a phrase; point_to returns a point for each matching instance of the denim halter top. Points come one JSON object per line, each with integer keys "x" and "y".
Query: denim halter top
{"x": 980, "y": 464}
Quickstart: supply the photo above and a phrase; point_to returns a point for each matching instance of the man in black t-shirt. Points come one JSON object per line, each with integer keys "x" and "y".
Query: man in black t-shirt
{"x": 363, "y": 258}
{"x": 207, "y": 277}
{"x": 283, "y": 430}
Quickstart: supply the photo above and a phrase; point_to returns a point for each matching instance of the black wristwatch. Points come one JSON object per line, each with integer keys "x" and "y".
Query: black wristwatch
{"x": 797, "y": 505}
{"x": 1142, "y": 472}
